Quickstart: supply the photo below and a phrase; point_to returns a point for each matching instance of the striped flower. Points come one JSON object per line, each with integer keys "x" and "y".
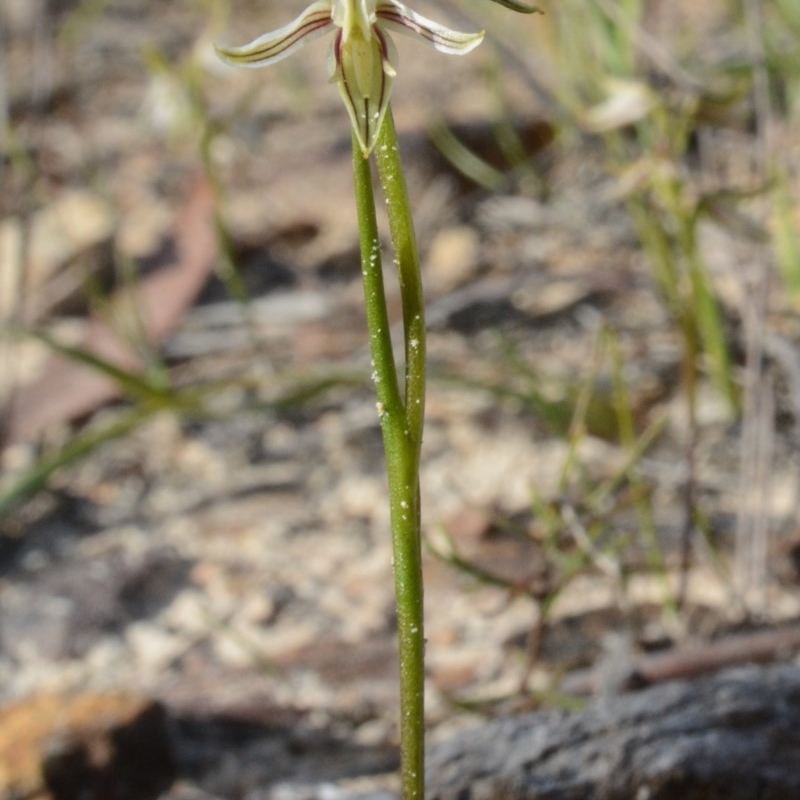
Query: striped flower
{"x": 363, "y": 58}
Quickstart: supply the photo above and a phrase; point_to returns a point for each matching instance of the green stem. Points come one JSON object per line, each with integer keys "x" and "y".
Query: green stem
{"x": 401, "y": 419}
{"x": 404, "y": 240}
{"x": 385, "y": 371}
{"x": 406, "y": 531}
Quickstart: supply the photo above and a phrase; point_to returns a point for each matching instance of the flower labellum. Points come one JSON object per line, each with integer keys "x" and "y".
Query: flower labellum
{"x": 362, "y": 59}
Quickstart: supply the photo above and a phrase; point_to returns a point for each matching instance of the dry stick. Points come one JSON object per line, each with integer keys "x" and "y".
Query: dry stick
{"x": 750, "y": 648}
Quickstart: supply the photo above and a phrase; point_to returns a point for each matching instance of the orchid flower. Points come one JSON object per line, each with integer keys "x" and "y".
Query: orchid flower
{"x": 362, "y": 60}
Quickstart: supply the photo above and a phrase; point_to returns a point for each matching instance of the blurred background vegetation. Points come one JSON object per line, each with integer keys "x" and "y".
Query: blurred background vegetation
{"x": 690, "y": 111}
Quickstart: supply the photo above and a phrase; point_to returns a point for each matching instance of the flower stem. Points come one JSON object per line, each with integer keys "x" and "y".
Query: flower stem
{"x": 401, "y": 419}
{"x": 404, "y": 240}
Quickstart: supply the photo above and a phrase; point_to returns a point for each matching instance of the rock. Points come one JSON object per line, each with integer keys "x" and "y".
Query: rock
{"x": 92, "y": 747}
{"x": 729, "y": 737}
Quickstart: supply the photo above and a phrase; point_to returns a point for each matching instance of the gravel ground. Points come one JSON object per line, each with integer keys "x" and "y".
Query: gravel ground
{"x": 240, "y": 561}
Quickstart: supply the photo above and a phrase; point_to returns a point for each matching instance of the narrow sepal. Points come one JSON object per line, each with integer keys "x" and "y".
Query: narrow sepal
{"x": 314, "y": 22}
{"x": 397, "y": 17}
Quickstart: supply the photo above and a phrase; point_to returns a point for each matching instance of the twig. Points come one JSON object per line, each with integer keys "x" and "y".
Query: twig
{"x": 761, "y": 647}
